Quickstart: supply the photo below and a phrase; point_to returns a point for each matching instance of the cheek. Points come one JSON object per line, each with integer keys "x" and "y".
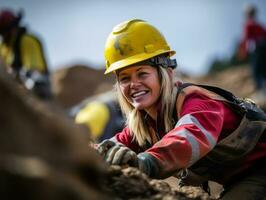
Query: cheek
{"x": 157, "y": 85}
{"x": 158, "y": 90}
{"x": 124, "y": 91}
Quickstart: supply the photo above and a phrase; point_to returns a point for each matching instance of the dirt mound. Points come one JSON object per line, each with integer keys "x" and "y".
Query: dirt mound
{"x": 73, "y": 84}
{"x": 46, "y": 156}
{"x": 237, "y": 80}
{"x": 43, "y": 155}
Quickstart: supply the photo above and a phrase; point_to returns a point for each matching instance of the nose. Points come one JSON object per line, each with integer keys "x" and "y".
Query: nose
{"x": 135, "y": 82}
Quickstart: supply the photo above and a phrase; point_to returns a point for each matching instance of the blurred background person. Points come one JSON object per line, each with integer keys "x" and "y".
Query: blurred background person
{"x": 100, "y": 115}
{"x": 22, "y": 54}
{"x": 254, "y": 44}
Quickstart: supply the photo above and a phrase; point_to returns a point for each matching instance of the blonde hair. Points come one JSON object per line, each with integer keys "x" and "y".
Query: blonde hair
{"x": 135, "y": 119}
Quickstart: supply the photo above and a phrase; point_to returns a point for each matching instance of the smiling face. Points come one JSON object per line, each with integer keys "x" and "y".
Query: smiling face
{"x": 140, "y": 85}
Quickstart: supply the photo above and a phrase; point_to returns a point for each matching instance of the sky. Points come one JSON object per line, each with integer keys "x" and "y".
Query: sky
{"x": 74, "y": 32}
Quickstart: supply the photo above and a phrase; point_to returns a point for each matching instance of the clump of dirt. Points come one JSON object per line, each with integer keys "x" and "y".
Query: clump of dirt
{"x": 130, "y": 183}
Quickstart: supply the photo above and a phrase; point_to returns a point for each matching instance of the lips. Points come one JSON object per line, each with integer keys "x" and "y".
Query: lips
{"x": 138, "y": 94}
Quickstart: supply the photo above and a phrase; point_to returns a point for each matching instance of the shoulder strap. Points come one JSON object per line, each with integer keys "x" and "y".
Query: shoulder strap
{"x": 240, "y": 105}
{"x": 224, "y": 93}
{"x": 17, "y": 64}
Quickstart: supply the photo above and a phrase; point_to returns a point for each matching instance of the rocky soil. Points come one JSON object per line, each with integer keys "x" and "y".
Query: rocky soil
{"x": 130, "y": 183}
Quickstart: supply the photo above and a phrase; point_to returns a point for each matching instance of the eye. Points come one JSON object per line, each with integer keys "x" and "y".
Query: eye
{"x": 123, "y": 79}
{"x": 143, "y": 74}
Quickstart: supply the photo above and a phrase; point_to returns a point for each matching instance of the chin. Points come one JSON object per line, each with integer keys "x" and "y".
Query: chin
{"x": 140, "y": 107}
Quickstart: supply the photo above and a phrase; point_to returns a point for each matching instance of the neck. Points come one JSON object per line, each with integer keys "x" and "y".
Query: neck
{"x": 152, "y": 112}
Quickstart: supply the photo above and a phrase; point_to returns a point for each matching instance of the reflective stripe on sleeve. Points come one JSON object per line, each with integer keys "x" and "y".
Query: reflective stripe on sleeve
{"x": 114, "y": 139}
{"x": 189, "y": 119}
{"x": 193, "y": 143}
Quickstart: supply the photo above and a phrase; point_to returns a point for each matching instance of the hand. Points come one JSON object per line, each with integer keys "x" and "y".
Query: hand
{"x": 117, "y": 154}
{"x": 104, "y": 146}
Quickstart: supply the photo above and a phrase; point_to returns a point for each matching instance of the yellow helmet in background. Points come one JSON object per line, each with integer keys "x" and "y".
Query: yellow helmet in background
{"x": 131, "y": 42}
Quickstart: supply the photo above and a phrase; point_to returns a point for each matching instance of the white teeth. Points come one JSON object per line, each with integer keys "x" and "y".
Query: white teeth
{"x": 138, "y": 94}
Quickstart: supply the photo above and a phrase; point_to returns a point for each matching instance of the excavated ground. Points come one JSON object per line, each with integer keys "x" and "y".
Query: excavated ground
{"x": 44, "y": 156}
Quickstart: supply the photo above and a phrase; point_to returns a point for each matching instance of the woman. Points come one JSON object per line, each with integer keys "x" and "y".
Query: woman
{"x": 173, "y": 127}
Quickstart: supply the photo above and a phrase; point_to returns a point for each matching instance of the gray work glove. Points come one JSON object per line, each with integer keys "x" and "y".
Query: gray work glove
{"x": 117, "y": 154}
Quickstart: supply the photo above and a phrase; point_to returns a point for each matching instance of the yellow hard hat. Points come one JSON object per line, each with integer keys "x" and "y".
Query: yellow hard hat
{"x": 131, "y": 42}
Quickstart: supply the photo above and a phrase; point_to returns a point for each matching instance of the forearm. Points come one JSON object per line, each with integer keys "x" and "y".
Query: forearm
{"x": 148, "y": 165}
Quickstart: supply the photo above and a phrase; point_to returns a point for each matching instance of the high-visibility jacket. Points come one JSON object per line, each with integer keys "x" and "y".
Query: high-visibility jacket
{"x": 102, "y": 118}
{"x": 207, "y": 126}
{"x": 24, "y": 51}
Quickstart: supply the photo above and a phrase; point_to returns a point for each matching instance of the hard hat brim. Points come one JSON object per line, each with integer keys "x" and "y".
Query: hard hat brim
{"x": 135, "y": 59}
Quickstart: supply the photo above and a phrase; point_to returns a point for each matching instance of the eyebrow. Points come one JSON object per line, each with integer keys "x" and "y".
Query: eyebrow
{"x": 121, "y": 73}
